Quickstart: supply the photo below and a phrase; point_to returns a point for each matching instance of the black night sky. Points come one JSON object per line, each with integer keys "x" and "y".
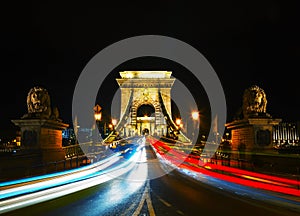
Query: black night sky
{"x": 48, "y": 43}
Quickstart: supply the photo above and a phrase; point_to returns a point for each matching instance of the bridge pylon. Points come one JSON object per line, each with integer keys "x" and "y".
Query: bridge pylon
{"x": 146, "y": 105}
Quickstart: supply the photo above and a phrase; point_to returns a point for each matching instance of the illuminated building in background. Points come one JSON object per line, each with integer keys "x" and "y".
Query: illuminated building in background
{"x": 286, "y": 133}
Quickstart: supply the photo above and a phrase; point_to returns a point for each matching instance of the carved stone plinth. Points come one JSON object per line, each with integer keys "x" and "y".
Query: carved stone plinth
{"x": 42, "y": 137}
{"x": 252, "y": 134}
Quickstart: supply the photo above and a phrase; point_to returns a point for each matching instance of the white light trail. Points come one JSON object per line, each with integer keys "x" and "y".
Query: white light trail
{"x": 64, "y": 185}
{"x": 56, "y": 181}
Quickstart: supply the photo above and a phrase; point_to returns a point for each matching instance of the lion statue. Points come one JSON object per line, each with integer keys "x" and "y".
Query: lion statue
{"x": 254, "y": 102}
{"x": 39, "y": 105}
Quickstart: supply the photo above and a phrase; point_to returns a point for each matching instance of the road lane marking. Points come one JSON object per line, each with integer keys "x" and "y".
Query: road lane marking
{"x": 149, "y": 202}
{"x": 128, "y": 210}
{"x": 180, "y": 212}
{"x": 145, "y": 198}
{"x": 165, "y": 202}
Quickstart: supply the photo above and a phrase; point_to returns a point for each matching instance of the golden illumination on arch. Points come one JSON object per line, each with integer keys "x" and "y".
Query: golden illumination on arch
{"x": 145, "y": 74}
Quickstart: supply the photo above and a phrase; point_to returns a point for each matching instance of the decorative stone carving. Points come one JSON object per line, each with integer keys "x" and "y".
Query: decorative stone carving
{"x": 41, "y": 128}
{"x": 252, "y": 129}
{"x": 254, "y": 104}
{"x": 39, "y": 105}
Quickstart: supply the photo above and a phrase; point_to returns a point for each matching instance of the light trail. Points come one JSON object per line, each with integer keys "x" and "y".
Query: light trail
{"x": 263, "y": 180}
{"x": 250, "y": 173}
{"x": 234, "y": 175}
{"x": 56, "y": 181}
{"x": 64, "y": 184}
{"x": 57, "y": 174}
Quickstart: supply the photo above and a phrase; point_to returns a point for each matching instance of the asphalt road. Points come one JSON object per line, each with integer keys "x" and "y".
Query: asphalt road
{"x": 149, "y": 190}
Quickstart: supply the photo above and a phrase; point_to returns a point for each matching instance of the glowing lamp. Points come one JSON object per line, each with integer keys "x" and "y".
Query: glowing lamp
{"x": 195, "y": 115}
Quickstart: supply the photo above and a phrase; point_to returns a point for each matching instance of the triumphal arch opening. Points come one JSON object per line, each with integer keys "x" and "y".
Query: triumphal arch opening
{"x": 146, "y": 103}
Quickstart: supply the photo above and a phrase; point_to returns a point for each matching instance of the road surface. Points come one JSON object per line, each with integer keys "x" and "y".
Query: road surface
{"x": 148, "y": 189}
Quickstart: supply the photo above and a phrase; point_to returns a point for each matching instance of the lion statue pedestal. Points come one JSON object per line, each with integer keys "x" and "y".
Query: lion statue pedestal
{"x": 252, "y": 129}
{"x": 41, "y": 128}
{"x": 43, "y": 137}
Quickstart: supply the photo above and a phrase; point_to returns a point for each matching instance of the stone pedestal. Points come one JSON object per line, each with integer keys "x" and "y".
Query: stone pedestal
{"x": 252, "y": 135}
{"x": 43, "y": 138}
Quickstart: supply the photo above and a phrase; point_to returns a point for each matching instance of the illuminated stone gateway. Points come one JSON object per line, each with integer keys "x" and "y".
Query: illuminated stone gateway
{"x": 151, "y": 88}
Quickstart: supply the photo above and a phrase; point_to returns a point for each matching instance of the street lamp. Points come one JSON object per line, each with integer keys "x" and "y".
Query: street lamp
{"x": 195, "y": 115}
{"x": 114, "y": 122}
{"x": 97, "y": 116}
{"x": 178, "y": 121}
{"x": 227, "y": 135}
{"x": 179, "y": 126}
{"x": 196, "y": 118}
{"x": 97, "y": 112}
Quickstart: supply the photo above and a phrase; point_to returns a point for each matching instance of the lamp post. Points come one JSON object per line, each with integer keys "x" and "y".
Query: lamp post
{"x": 178, "y": 122}
{"x": 196, "y": 118}
{"x": 227, "y": 136}
{"x": 112, "y": 124}
{"x": 179, "y": 126}
{"x": 98, "y": 117}
{"x": 195, "y": 115}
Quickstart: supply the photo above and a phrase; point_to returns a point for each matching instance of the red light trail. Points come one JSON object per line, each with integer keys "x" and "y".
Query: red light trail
{"x": 230, "y": 174}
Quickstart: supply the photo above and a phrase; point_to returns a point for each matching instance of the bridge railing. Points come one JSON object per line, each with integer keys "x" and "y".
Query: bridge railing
{"x": 283, "y": 165}
{"x": 75, "y": 156}
{"x": 73, "y": 150}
